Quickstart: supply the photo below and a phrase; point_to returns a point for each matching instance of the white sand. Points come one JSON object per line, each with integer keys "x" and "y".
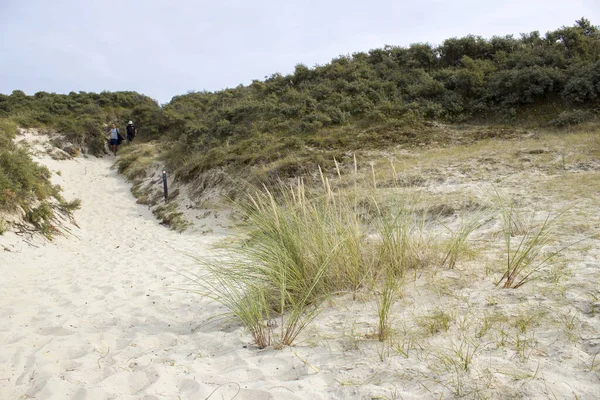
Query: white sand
{"x": 99, "y": 315}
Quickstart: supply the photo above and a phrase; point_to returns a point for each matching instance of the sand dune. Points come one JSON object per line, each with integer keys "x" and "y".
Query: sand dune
{"x": 101, "y": 314}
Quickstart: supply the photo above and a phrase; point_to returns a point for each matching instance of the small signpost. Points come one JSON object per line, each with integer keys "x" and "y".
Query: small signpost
{"x": 165, "y": 189}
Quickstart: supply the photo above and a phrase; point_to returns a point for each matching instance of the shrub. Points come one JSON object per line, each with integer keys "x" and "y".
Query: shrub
{"x": 8, "y": 129}
{"x": 579, "y": 90}
{"x": 41, "y": 217}
{"x": 570, "y": 118}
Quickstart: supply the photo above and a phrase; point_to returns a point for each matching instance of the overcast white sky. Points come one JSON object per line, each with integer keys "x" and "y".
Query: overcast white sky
{"x": 166, "y": 48}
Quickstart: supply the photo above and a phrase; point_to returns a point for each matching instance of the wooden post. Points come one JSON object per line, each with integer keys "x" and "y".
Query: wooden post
{"x": 165, "y": 189}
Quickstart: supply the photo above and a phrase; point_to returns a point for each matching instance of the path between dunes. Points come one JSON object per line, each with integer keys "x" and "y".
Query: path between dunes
{"x": 100, "y": 315}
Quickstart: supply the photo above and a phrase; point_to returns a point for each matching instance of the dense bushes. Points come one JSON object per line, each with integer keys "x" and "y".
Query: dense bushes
{"x": 390, "y": 91}
{"x": 79, "y": 116}
{"x": 379, "y": 98}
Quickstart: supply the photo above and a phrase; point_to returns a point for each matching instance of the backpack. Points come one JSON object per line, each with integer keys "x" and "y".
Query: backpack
{"x": 119, "y": 137}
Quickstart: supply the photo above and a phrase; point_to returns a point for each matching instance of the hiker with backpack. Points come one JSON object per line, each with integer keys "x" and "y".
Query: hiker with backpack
{"x": 114, "y": 138}
{"x": 131, "y": 132}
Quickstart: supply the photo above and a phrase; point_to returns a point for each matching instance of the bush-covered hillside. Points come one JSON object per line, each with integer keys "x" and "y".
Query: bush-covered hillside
{"x": 382, "y": 97}
{"x": 285, "y": 124}
{"x": 79, "y": 116}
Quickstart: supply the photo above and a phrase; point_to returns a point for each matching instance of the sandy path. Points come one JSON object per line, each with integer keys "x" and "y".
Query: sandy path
{"x": 98, "y": 316}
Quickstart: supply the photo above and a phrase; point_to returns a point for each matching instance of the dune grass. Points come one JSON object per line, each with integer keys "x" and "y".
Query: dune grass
{"x": 25, "y": 184}
{"x": 525, "y": 254}
{"x": 388, "y": 292}
{"x": 281, "y": 272}
{"x": 457, "y": 245}
{"x": 392, "y": 230}
{"x": 306, "y": 245}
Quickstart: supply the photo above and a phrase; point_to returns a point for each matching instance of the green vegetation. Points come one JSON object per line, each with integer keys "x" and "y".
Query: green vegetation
{"x": 285, "y": 126}
{"x": 457, "y": 243}
{"x": 169, "y": 216}
{"x": 25, "y": 184}
{"x": 21, "y": 180}
{"x": 304, "y": 247}
{"x": 80, "y": 117}
{"x": 438, "y": 321}
{"x": 307, "y": 245}
{"x": 388, "y": 293}
{"x": 41, "y": 217}
{"x": 525, "y": 257}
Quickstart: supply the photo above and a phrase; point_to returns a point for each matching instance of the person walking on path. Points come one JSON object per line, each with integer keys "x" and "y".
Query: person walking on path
{"x": 131, "y": 132}
{"x": 115, "y": 138}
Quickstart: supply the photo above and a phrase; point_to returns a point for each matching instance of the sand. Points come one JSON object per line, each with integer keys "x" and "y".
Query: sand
{"x": 103, "y": 314}
{"x": 100, "y": 314}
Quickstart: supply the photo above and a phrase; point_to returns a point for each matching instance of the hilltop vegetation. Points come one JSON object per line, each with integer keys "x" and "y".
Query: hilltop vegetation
{"x": 364, "y": 100}
{"x": 384, "y": 97}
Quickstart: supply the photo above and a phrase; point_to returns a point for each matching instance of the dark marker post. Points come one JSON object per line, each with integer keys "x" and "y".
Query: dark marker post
{"x": 165, "y": 189}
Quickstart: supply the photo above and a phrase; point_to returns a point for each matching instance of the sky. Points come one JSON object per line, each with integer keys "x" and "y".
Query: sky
{"x": 167, "y": 48}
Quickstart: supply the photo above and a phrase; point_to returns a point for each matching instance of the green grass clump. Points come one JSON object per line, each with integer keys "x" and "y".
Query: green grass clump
{"x": 404, "y": 245}
{"x": 283, "y": 272}
{"x": 305, "y": 246}
{"x": 438, "y": 321}
{"x": 307, "y": 231}
{"x": 22, "y": 181}
{"x": 69, "y": 206}
{"x": 42, "y": 218}
{"x": 171, "y": 217}
{"x": 525, "y": 253}
{"x": 457, "y": 244}
{"x": 385, "y": 300}
{"x": 401, "y": 247}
